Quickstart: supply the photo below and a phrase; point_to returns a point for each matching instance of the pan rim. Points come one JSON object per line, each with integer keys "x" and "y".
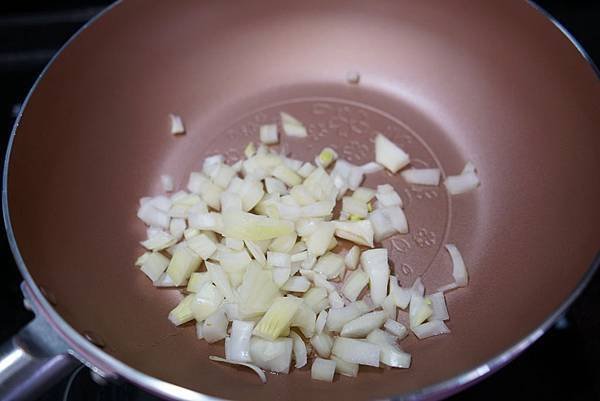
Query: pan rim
{"x": 107, "y": 365}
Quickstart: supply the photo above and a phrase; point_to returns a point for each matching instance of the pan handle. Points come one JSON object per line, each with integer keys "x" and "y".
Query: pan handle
{"x": 32, "y": 361}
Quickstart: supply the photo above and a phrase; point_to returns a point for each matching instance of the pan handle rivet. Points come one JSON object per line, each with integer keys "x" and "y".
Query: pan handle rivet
{"x": 94, "y": 338}
{"x": 48, "y": 295}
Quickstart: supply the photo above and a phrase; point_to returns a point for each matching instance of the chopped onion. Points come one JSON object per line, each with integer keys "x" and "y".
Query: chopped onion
{"x": 352, "y": 257}
{"x": 206, "y": 221}
{"x": 221, "y": 281}
{"x": 235, "y": 244}
{"x": 278, "y": 259}
{"x": 257, "y": 292}
{"x": 256, "y": 252}
{"x": 237, "y": 346}
{"x": 182, "y": 313}
{"x": 318, "y": 241}
{"x": 306, "y": 169}
{"x": 322, "y": 344}
{"x": 388, "y": 154}
{"x": 299, "y": 348}
{"x": 316, "y": 299}
{"x": 177, "y": 127}
{"x": 356, "y": 351}
{"x": 153, "y": 216}
{"x": 277, "y": 318}
{"x": 302, "y": 196}
{"x": 335, "y": 300}
{"x": 354, "y": 206}
{"x": 364, "y": 194}
{"x": 371, "y": 167}
{"x": 177, "y": 227}
{"x": 465, "y": 182}
{"x": 419, "y": 310}
{"x": 256, "y": 369}
{"x": 246, "y": 226}
{"x": 284, "y": 243}
{"x": 354, "y": 284}
{"x": 167, "y": 182}
{"x": 438, "y": 305}
{"x": 397, "y": 218}
{"x": 202, "y": 245}
{"x": 322, "y": 369}
{"x": 375, "y": 264}
{"x": 400, "y": 295}
{"x": 422, "y": 176}
{"x": 154, "y": 265}
{"x": 274, "y": 356}
{"x": 390, "y": 353}
{"x": 459, "y": 270}
{"x": 164, "y": 281}
{"x": 338, "y": 317}
{"x": 296, "y": 284}
{"x": 215, "y": 326}
{"x": 273, "y": 185}
{"x": 330, "y": 265}
{"x": 469, "y": 168}
{"x": 382, "y": 226}
{"x": 142, "y": 258}
{"x": 321, "y": 320}
{"x": 269, "y": 134}
{"x": 197, "y": 281}
{"x": 389, "y": 307}
{"x": 286, "y": 175}
{"x": 230, "y": 201}
{"x": 299, "y": 257}
{"x": 318, "y": 209}
{"x": 205, "y": 302}
{"x": 345, "y": 368}
{"x": 183, "y": 264}
{"x": 363, "y": 325}
{"x": 387, "y": 196}
{"x": 292, "y": 127}
{"x": 429, "y": 329}
{"x": 309, "y": 262}
{"x": 326, "y": 157}
{"x": 360, "y": 232}
{"x": 396, "y": 328}
{"x": 305, "y": 319}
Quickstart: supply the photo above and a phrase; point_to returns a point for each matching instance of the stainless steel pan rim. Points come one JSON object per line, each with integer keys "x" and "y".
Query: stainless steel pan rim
{"x": 110, "y": 367}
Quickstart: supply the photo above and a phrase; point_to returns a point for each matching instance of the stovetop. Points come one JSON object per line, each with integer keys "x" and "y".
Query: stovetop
{"x": 562, "y": 365}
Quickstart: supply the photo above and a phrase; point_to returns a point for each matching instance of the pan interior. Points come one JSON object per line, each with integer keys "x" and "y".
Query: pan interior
{"x": 450, "y": 82}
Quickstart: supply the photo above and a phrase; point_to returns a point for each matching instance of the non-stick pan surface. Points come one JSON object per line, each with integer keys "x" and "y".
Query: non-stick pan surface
{"x": 451, "y": 81}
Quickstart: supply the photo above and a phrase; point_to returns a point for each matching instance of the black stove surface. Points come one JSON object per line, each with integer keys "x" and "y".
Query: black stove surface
{"x": 562, "y": 365}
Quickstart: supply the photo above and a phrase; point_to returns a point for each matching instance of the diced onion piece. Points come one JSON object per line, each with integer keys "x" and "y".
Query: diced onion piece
{"x": 345, "y": 368}
{"x": 211, "y": 164}
{"x": 206, "y": 221}
{"x": 202, "y": 245}
{"x": 230, "y": 201}
{"x": 177, "y": 227}
{"x": 354, "y": 206}
{"x": 302, "y": 196}
{"x": 387, "y": 196}
{"x": 419, "y": 310}
{"x": 382, "y": 226}
{"x": 284, "y": 243}
{"x": 318, "y": 241}
{"x": 256, "y": 252}
{"x": 237, "y": 346}
{"x": 400, "y": 295}
{"x": 354, "y": 284}
{"x": 154, "y": 265}
{"x": 352, "y": 77}
{"x": 287, "y": 175}
{"x": 292, "y": 127}
{"x": 337, "y": 318}
{"x": 465, "y": 182}
{"x": 296, "y": 284}
{"x": 281, "y": 275}
{"x": 153, "y": 216}
{"x": 177, "y": 127}
{"x": 322, "y": 369}
{"x": 469, "y": 168}
{"x": 269, "y": 134}
{"x": 335, "y": 300}
{"x": 182, "y": 312}
{"x": 363, "y": 325}
{"x": 221, "y": 280}
{"x": 316, "y": 299}
{"x": 388, "y": 154}
{"x": 257, "y": 292}
{"x": 275, "y": 356}
{"x": 318, "y": 209}
{"x": 299, "y": 348}
{"x": 364, "y": 194}
{"x": 429, "y": 329}
{"x": 396, "y": 328}
{"x": 422, "y": 176}
{"x": 246, "y": 226}
{"x": 389, "y": 307}
{"x": 306, "y": 169}
{"x": 250, "y": 150}
{"x": 397, "y": 218}
{"x": 352, "y": 257}
{"x": 390, "y": 353}
{"x": 438, "y": 305}
{"x": 205, "y": 302}
{"x": 199, "y": 334}
{"x": 278, "y": 259}
{"x": 142, "y": 258}
{"x": 322, "y": 344}
{"x": 360, "y": 232}
{"x": 167, "y": 182}
{"x": 251, "y": 193}
{"x": 256, "y": 369}
{"x": 235, "y": 244}
{"x": 305, "y": 319}
{"x": 375, "y": 264}
{"x": 326, "y": 157}
{"x": 309, "y": 262}
{"x": 299, "y": 257}
{"x": 356, "y": 351}
{"x": 459, "y": 270}
{"x": 277, "y": 318}
{"x": 330, "y": 265}
{"x": 371, "y": 167}
{"x": 215, "y": 326}
{"x": 183, "y": 263}
{"x": 418, "y": 288}
{"x": 197, "y": 281}
{"x": 321, "y": 320}
{"x": 273, "y": 185}
{"x": 160, "y": 241}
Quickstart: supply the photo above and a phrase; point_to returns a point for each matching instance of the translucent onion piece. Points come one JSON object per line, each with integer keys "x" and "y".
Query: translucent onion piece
{"x": 459, "y": 270}
{"x": 269, "y": 134}
{"x": 256, "y": 369}
{"x": 299, "y": 348}
{"x": 154, "y": 265}
{"x": 390, "y": 353}
{"x": 375, "y": 264}
{"x": 177, "y": 127}
{"x": 356, "y": 351}
{"x": 246, "y": 226}
{"x": 277, "y": 318}
{"x": 422, "y": 176}
{"x": 183, "y": 264}
{"x": 237, "y": 346}
{"x": 322, "y": 369}
{"x": 465, "y": 182}
{"x": 321, "y": 320}
{"x": 330, "y": 265}
{"x": 182, "y": 312}
{"x": 429, "y": 329}
{"x": 352, "y": 258}
{"x": 438, "y": 305}
{"x": 345, "y": 368}
{"x": 292, "y": 127}
{"x": 337, "y": 318}
{"x": 215, "y": 326}
{"x": 322, "y": 344}
{"x": 166, "y": 181}
{"x": 363, "y": 325}
{"x": 395, "y": 328}
{"x": 388, "y": 154}
{"x": 275, "y": 356}
{"x": 354, "y": 284}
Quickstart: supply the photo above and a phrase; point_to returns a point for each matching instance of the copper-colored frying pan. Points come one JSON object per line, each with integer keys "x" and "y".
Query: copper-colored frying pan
{"x": 492, "y": 82}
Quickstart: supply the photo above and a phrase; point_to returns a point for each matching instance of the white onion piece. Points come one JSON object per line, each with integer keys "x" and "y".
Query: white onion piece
{"x": 459, "y": 270}
{"x": 235, "y": 244}
{"x": 316, "y": 299}
{"x": 363, "y": 325}
{"x": 360, "y": 232}
{"x": 278, "y": 317}
{"x": 335, "y": 300}
{"x": 230, "y": 201}
{"x": 371, "y": 167}
{"x": 469, "y": 168}
{"x": 232, "y": 311}
{"x": 390, "y": 353}
{"x": 221, "y": 280}
{"x": 161, "y": 202}
{"x": 306, "y": 227}
{"x": 247, "y": 226}
{"x": 354, "y": 207}
{"x": 257, "y": 291}
{"x": 141, "y": 259}
{"x": 212, "y": 163}
{"x": 306, "y": 170}
{"x": 321, "y": 320}
{"x": 322, "y": 369}
{"x": 167, "y": 182}
{"x": 387, "y": 196}
{"x": 296, "y": 284}
{"x": 396, "y": 328}
{"x": 237, "y": 346}
{"x": 309, "y": 262}
{"x": 375, "y": 264}
{"x": 299, "y": 257}
{"x": 215, "y": 326}
{"x": 382, "y": 226}
{"x": 273, "y": 185}
{"x": 154, "y": 265}
{"x": 281, "y": 275}
{"x": 182, "y": 313}
{"x": 305, "y": 319}
{"x": 345, "y": 368}
{"x": 397, "y": 218}
{"x": 206, "y": 221}
{"x": 278, "y": 259}
{"x": 256, "y": 369}
{"x": 177, "y": 127}
{"x": 422, "y": 176}
{"x": 356, "y": 351}
{"x": 202, "y": 245}
{"x": 256, "y": 252}
{"x": 318, "y": 242}
{"x": 438, "y": 305}
{"x": 177, "y": 227}
{"x": 299, "y": 349}
{"x": 164, "y": 281}
{"x": 338, "y": 317}
{"x": 183, "y": 263}
{"x": 418, "y": 288}
{"x": 199, "y": 334}
{"x": 292, "y": 127}
{"x": 447, "y": 287}
{"x": 268, "y": 134}
{"x": 389, "y": 307}
{"x": 354, "y": 284}
{"x": 400, "y": 295}
{"x": 318, "y": 209}
{"x": 322, "y": 344}
{"x": 419, "y": 310}
{"x": 330, "y": 265}
{"x": 465, "y": 182}
{"x": 388, "y": 154}
{"x": 152, "y": 216}
{"x": 352, "y": 257}
{"x": 429, "y": 329}
{"x": 205, "y": 302}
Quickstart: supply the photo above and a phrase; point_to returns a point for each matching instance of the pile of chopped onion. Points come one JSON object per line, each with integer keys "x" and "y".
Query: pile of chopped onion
{"x": 256, "y": 246}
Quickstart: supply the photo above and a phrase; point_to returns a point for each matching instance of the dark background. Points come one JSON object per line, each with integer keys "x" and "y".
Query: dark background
{"x": 563, "y": 365}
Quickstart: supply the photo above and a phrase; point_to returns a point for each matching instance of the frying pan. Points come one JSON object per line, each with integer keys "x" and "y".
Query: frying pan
{"x": 496, "y": 83}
